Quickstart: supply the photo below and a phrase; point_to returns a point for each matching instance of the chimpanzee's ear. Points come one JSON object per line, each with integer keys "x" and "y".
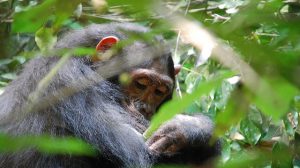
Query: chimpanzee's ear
{"x": 177, "y": 68}
{"x": 106, "y": 43}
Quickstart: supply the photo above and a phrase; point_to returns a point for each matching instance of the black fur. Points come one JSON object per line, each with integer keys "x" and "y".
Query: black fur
{"x": 93, "y": 112}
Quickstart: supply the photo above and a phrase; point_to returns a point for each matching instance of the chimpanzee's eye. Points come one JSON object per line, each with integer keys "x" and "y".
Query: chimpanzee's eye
{"x": 140, "y": 85}
{"x": 160, "y": 91}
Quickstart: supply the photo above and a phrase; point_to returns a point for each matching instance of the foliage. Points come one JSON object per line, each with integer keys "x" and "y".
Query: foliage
{"x": 257, "y": 118}
{"x": 46, "y": 144}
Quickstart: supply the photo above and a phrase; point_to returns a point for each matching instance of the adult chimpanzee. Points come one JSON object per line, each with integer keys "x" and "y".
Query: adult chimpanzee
{"x": 105, "y": 114}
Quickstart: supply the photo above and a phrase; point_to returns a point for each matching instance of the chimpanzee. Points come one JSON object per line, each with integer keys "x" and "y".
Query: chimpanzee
{"x": 104, "y": 113}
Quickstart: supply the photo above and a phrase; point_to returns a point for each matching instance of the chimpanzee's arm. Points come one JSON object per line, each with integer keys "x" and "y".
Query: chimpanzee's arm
{"x": 185, "y": 139}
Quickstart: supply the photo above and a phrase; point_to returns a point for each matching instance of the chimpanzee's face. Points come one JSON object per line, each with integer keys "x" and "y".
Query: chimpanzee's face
{"x": 149, "y": 87}
{"x": 151, "y": 82}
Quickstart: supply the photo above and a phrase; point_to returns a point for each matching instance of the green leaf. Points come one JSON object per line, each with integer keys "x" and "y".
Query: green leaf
{"x": 282, "y": 156}
{"x": 9, "y": 76}
{"x": 45, "y": 39}
{"x": 251, "y": 133}
{"x": 236, "y": 108}
{"x": 226, "y": 151}
{"x": 275, "y": 96}
{"x": 246, "y": 159}
{"x": 296, "y": 163}
{"x": 175, "y": 106}
{"x": 45, "y": 144}
{"x": 34, "y": 17}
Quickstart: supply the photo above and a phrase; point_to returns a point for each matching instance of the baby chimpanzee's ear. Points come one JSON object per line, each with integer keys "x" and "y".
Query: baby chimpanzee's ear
{"x": 177, "y": 68}
{"x": 106, "y": 43}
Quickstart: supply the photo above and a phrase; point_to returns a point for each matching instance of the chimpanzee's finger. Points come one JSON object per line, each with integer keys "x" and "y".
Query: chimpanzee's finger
{"x": 161, "y": 145}
{"x": 161, "y": 132}
{"x": 172, "y": 149}
{"x": 153, "y": 139}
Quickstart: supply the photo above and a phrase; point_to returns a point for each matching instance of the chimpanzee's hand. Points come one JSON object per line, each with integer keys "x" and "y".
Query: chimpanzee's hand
{"x": 181, "y": 132}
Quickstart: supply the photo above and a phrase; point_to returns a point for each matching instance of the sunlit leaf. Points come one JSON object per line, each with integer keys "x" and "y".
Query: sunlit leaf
{"x": 251, "y": 133}
{"x": 45, "y": 38}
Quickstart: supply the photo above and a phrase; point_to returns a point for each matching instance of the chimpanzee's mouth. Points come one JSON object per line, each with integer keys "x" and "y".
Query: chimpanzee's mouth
{"x": 146, "y": 110}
